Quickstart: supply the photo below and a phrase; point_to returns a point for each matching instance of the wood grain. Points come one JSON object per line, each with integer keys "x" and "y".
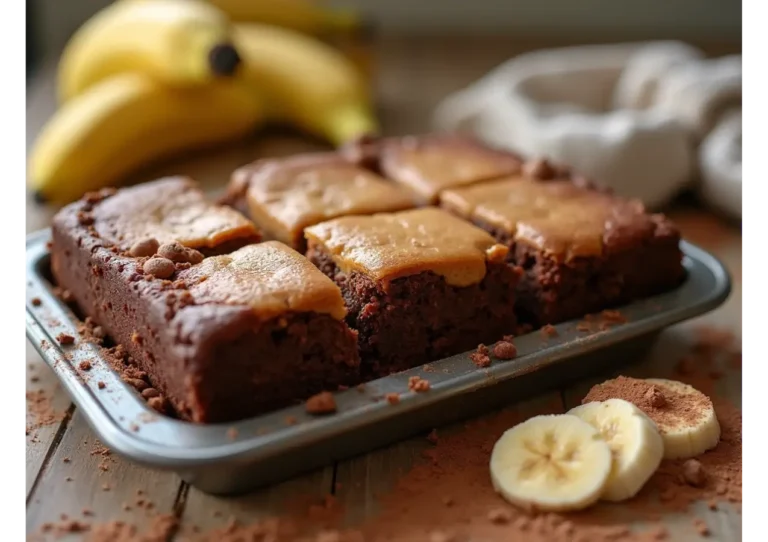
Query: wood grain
{"x": 78, "y": 477}
{"x": 205, "y": 512}
{"x": 41, "y": 380}
{"x": 360, "y": 481}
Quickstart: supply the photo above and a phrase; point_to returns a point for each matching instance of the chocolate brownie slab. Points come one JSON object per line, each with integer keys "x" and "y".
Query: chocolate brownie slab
{"x": 284, "y": 196}
{"x": 419, "y": 285}
{"x": 581, "y": 250}
{"x": 430, "y": 163}
{"x": 222, "y": 337}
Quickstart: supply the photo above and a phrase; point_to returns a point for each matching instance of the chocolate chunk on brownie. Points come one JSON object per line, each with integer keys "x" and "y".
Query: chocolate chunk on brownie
{"x": 431, "y": 163}
{"x": 419, "y": 285}
{"x": 222, "y": 339}
{"x": 581, "y": 250}
{"x": 166, "y": 211}
{"x": 284, "y": 196}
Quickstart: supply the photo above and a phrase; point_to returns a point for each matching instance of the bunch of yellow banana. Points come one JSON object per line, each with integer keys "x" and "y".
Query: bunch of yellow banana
{"x": 145, "y": 79}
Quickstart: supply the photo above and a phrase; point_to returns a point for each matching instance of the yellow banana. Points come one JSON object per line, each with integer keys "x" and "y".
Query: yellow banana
{"x": 304, "y": 82}
{"x": 176, "y": 41}
{"x": 300, "y": 15}
{"x": 127, "y": 121}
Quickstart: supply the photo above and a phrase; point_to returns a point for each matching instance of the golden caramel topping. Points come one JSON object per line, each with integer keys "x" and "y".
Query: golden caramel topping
{"x": 168, "y": 210}
{"x": 429, "y": 165}
{"x": 287, "y": 196}
{"x": 388, "y": 246}
{"x": 556, "y": 216}
{"x": 270, "y": 277}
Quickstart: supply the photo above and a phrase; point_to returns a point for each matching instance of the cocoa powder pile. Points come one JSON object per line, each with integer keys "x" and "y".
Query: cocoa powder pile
{"x": 664, "y": 406}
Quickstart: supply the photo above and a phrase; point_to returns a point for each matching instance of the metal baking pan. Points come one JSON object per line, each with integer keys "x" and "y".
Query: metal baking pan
{"x": 232, "y": 458}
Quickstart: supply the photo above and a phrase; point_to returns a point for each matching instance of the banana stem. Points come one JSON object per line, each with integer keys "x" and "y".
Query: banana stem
{"x": 347, "y": 123}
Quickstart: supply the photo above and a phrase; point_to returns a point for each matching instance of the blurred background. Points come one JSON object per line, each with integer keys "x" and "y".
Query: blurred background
{"x": 652, "y": 109}
{"x": 708, "y": 22}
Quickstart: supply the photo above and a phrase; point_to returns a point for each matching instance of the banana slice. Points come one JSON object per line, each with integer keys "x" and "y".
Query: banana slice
{"x": 687, "y": 431}
{"x": 554, "y": 462}
{"x": 634, "y": 440}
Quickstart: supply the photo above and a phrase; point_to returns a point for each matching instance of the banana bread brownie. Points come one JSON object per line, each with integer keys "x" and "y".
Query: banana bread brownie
{"x": 419, "y": 285}
{"x": 284, "y": 196}
{"x": 581, "y": 250}
{"x": 428, "y": 164}
{"x": 222, "y": 337}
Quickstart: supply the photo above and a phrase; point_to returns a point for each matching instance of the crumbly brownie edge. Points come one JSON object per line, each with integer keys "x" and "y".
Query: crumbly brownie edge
{"x": 551, "y": 291}
{"x": 175, "y": 341}
{"x": 269, "y": 365}
{"x": 420, "y": 318}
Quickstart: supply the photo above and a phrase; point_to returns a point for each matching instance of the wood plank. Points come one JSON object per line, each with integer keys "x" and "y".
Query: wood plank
{"x": 78, "y": 478}
{"x": 361, "y": 481}
{"x": 204, "y": 513}
{"x": 47, "y": 412}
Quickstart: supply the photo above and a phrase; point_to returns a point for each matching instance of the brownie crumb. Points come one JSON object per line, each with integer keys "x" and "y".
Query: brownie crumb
{"x": 85, "y": 365}
{"x": 157, "y": 404}
{"x": 686, "y": 366}
{"x": 291, "y": 420}
{"x": 693, "y": 473}
{"x": 65, "y": 338}
{"x": 549, "y": 331}
{"x": 505, "y": 350}
{"x": 432, "y": 436}
{"x": 613, "y": 316}
{"x": 701, "y": 527}
{"x": 101, "y": 385}
{"x": 322, "y": 403}
{"x": 393, "y": 398}
{"x": 539, "y": 168}
{"x": 483, "y": 349}
{"x": 500, "y": 516}
{"x": 162, "y": 268}
{"x": 481, "y": 360}
{"x": 66, "y": 460}
{"x": 418, "y": 384}
{"x": 655, "y": 397}
{"x": 149, "y": 393}
{"x": 36, "y": 301}
{"x": 144, "y": 248}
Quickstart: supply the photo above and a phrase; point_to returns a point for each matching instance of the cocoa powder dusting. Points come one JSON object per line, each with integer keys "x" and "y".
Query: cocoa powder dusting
{"x": 40, "y": 411}
{"x": 448, "y": 495}
{"x": 663, "y": 405}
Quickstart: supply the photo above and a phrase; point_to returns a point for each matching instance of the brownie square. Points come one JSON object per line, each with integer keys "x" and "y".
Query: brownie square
{"x": 419, "y": 285}
{"x": 168, "y": 210}
{"x": 429, "y": 164}
{"x": 284, "y": 196}
{"x": 222, "y": 337}
{"x": 581, "y": 250}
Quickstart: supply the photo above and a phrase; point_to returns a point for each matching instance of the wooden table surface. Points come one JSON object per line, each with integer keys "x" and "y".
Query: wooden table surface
{"x": 63, "y": 466}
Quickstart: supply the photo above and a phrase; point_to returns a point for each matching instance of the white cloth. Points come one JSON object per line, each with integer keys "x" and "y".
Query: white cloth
{"x": 629, "y": 116}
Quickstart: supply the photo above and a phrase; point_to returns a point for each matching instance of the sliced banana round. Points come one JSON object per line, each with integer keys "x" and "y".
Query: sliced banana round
{"x": 552, "y": 462}
{"x": 634, "y": 440}
{"x": 688, "y": 430}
